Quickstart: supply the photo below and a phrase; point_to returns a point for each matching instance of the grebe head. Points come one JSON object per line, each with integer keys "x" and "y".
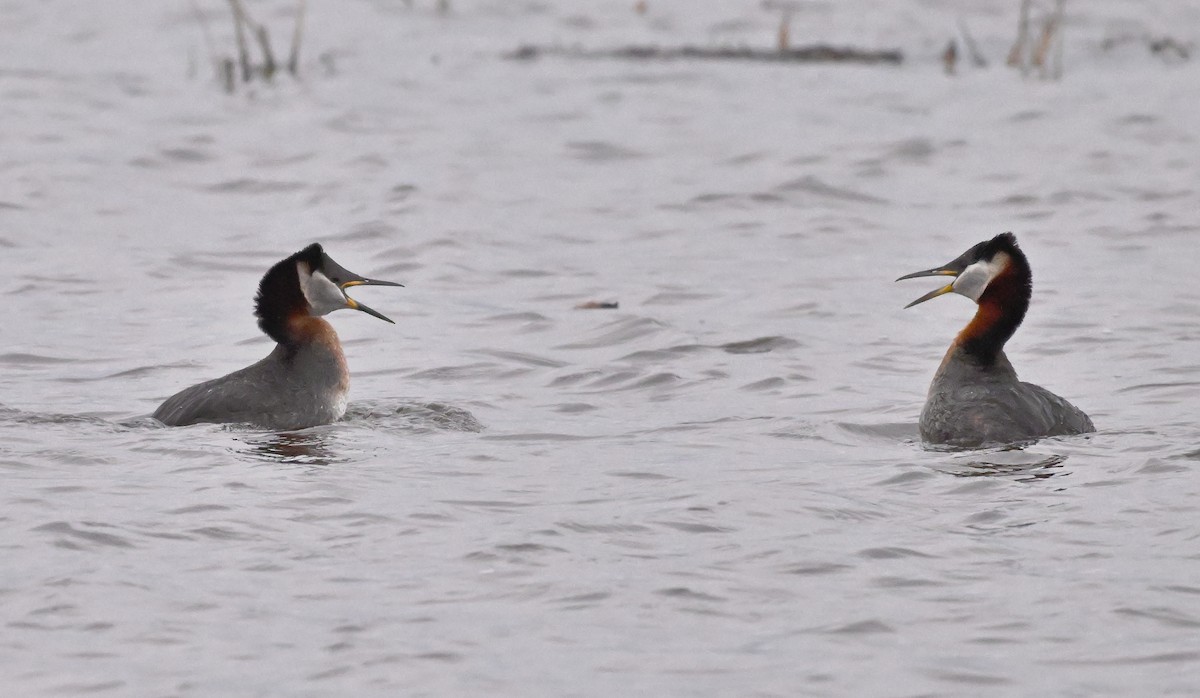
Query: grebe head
{"x": 976, "y": 269}
{"x": 309, "y": 283}
{"x": 996, "y": 275}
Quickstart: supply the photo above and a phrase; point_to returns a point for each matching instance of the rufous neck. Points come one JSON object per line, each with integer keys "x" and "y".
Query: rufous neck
{"x": 1002, "y": 307}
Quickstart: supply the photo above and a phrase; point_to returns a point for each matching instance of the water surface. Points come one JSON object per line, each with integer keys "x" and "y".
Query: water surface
{"x": 715, "y": 488}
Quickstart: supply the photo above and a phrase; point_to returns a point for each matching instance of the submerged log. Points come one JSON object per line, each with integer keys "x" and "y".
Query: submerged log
{"x": 816, "y": 53}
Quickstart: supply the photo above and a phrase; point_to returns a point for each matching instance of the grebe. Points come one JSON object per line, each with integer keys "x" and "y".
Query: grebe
{"x": 303, "y": 382}
{"x": 975, "y": 398}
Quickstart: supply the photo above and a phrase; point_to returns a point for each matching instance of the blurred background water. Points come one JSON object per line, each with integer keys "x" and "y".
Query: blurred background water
{"x": 714, "y": 489}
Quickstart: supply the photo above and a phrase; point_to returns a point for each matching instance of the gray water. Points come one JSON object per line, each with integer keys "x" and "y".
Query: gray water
{"x": 716, "y": 488}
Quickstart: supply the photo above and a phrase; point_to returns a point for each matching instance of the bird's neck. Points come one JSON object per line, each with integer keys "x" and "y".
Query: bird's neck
{"x": 1002, "y": 307}
{"x": 312, "y": 352}
{"x": 303, "y": 330}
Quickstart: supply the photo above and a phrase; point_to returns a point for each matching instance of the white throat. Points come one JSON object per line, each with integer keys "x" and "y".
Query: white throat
{"x": 974, "y": 280}
{"x": 323, "y": 295}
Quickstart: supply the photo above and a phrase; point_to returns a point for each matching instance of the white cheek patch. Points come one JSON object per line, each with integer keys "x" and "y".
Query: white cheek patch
{"x": 975, "y": 279}
{"x": 323, "y": 295}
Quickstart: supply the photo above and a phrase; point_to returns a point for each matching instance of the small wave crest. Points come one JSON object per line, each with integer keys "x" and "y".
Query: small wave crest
{"x": 413, "y": 416}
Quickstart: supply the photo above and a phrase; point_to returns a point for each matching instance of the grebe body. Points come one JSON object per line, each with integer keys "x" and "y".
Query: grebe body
{"x": 304, "y": 381}
{"x": 975, "y": 398}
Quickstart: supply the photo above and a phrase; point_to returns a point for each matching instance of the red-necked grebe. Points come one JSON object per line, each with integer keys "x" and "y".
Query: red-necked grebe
{"x": 303, "y": 382}
{"x": 975, "y": 398}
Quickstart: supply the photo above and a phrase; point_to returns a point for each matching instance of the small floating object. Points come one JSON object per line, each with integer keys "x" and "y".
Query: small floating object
{"x": 598, "y": 305}
{"x": 816, "y": 53}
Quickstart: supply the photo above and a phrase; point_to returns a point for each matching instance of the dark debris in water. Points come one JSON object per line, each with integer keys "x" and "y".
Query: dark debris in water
{"x": 1168, "y": 48}
{"x": 815, "y": 53}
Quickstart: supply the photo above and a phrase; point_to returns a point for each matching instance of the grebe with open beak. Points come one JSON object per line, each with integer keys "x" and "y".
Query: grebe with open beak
{"x": 304, "y": 381}
{"x": 975, "y": 398}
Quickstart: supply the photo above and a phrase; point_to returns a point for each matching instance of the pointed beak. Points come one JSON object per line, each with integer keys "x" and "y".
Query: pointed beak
{"x": 948, "y": 270}
{"x": 344, "y": 278}
{"x": 360, "y": 281}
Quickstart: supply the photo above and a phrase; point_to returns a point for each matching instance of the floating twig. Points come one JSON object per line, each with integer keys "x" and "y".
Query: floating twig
{"x": 977, "y": 58}
{"x": 1016, "y": 55}
{"x": 227, "y": 68}
{"x": 239, "y": 20}
{"x": 228, "y": 74}
{"x": 294, "y": 56}
{"x": 950, "y": 57}
{"x": 1028, "y": 53}
{"x": 264, "y": 42}
{"x": 818, "y": 53}
{"x": 1165, "y": 47}
{"x": 1050, "y": 30}
{"x": 1051, "y": 37}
